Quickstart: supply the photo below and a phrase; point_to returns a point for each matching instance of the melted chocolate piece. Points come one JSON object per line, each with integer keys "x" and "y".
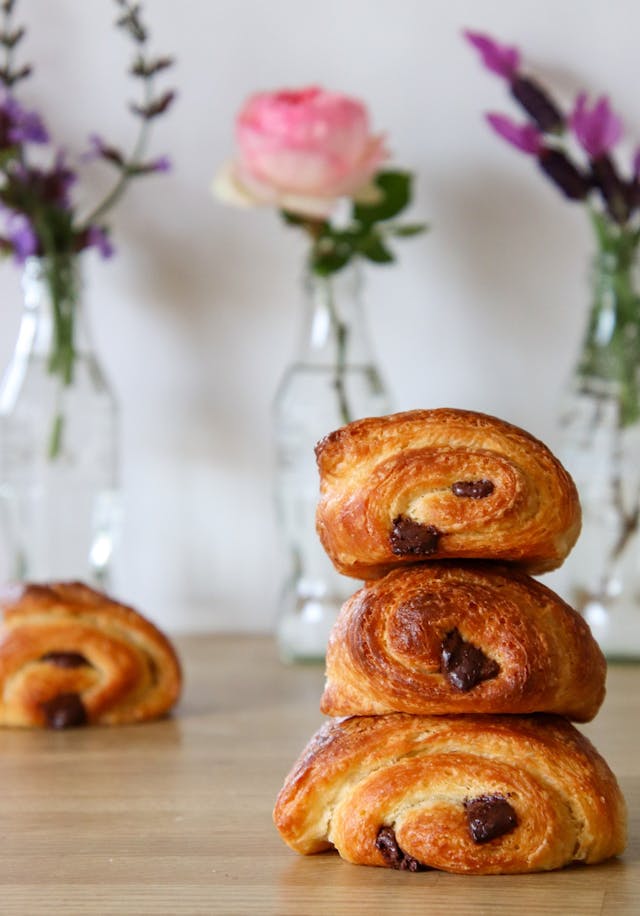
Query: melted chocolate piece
{"x": 409, "y": 537}
{"x": 473, "y": 489}
{"x": 387, "y": 845}
{"x": 64, "y": 711}
{"x": 489, "y": 816}
{"x": 153, "y": 670}
{"x": 65, "y": 659}
{"x": 464, "y": 664}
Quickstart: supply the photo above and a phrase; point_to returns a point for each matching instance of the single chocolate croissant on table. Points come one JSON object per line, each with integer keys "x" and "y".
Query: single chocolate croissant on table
{"x": 461, "y": 638}
{"x": 432, "y": 484}
{"x": 71, "y": 656}
{"x": 469, "y": 794}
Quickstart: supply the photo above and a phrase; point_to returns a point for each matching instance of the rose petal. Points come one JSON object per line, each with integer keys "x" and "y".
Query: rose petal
{"x": 233, "y": 187}
{"x": 308, "y": 143}
{"x": 314, "y": 207}
{"x": 227, "y": 188}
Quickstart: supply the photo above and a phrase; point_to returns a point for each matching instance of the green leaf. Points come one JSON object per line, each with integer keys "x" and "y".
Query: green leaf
{"x": 332, "y": 251}
{"x": 292, "y": 219}
{"x": 373, "y": 249}
{"x": 7, "y": 155}
{"x": 395, "y": 188}
{"x": 330, "y": 262}
{"x": 407, "y": 230}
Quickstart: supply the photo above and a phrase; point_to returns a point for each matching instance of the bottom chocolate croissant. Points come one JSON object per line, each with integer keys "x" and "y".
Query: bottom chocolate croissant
{"x": 467, "y": 794}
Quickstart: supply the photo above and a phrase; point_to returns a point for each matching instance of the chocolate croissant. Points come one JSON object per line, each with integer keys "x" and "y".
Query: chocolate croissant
{"x": 71, "y": 656}
{"x": 433, "y": 484}
{"x": 468, "y": 794}
{"x": 461, "y": 638}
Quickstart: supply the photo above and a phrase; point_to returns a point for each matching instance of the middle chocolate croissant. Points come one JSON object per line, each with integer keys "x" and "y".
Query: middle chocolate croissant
{"x": 446, "y": 638}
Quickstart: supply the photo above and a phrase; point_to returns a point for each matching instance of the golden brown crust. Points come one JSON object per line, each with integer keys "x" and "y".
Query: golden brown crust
{"x": 415, "y": 774}
{"x": 131, "y": 673}
{"x": 385, "y": 652}
{"x": 381, "y": 469}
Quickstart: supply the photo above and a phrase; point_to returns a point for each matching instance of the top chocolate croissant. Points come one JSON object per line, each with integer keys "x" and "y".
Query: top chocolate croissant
{"x": 436, "y": 484}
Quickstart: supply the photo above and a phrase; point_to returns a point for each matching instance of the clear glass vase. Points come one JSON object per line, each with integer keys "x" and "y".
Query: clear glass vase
{"x": 59, "y": 498}
{"x": 332, "y": 381}
{"x": 600, "y": 429}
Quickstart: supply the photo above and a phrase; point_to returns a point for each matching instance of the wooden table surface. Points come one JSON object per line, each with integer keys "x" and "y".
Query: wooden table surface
{"x": 174, "y": 817}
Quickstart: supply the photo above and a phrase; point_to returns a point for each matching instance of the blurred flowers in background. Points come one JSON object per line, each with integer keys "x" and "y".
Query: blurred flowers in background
{"x": 575, "y": 150}
{"x": 303, "y": 151}
{"x": 574, "y": 147}
{"x": 594, "y": 127}
{"x": 37, "y": 179}
{"x": 313, "y": 156}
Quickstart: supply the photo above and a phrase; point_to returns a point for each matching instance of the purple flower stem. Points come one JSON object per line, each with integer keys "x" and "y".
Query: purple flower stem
{"x": 538, "y": 104}
{"x": 618, "y": 195}
{"x": 558, "y": 167}
{"x": 116, "y": 192}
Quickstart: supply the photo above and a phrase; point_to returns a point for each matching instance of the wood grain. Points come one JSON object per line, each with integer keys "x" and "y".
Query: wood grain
{"x": 174, "y": 817}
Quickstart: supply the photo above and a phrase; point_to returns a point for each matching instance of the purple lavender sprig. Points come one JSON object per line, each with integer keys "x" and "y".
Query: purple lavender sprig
{"x": 37, "y": 200}
{"x": 504, "y": 60}
{"x": 586, "y": 171}
{"x": 596, "y": 128}
{"x": 41, "y": 196}
{"x": 555, "y": 163}
{"x": 152, "y": 105}
{"x": 10, "y": 38}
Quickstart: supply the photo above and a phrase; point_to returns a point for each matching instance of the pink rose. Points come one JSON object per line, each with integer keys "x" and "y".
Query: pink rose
{"x": 301, "y": 150}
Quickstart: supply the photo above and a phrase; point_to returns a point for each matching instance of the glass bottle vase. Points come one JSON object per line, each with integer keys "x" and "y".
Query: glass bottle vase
{"x": 333, "y": 381}
{"x": 600, "y": 445}
{"x": 59, "y": 500}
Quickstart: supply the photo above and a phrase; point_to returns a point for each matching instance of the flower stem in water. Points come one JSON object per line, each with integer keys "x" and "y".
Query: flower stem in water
{"x": 342, "y": 336}
{"x": 55, "y": 439}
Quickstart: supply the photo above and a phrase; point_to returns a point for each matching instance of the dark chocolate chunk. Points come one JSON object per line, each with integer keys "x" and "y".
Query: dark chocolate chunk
{"x": 153, "y": 670}
{"x": 410, "y": 864}
{"x": 387, "y": 845}
{"x": 65, "y": 659}
{"x": 489, "y": 816}
{"x": 409, "y": 537}
{"x": 464, "y": 664}
{"x": 65, "y": 711}
{"x": 473, "y": 489}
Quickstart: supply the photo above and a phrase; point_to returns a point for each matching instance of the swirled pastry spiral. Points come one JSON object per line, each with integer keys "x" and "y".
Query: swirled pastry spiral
{"x": 469, "y": 794}
{"x": 461, "y": 638}
{"x": 433, "y": 484}
{"x": 71, "y": 656}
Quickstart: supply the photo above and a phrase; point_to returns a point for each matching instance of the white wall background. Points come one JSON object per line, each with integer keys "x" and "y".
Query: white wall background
{"x": 196, "y": 317}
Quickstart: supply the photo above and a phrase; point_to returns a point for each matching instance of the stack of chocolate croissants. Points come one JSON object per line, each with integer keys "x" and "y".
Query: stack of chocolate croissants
{"x": 456, "y": 674}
